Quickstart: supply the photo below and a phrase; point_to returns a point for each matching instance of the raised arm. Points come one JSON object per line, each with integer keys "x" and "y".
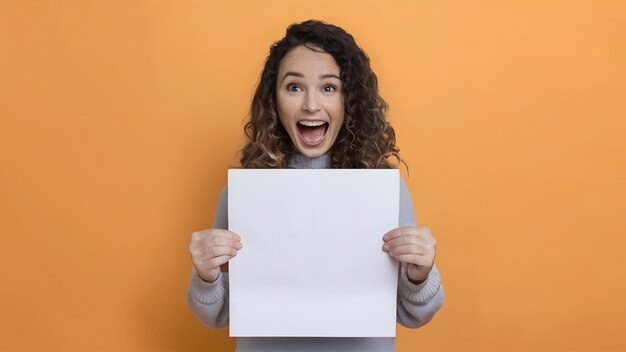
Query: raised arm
{"x": 417, "y": 301}
{"x": 207, "y": 295}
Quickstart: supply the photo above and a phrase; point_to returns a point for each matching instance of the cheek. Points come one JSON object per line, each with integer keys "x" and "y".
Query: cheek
{"x": 280, "y": 110}
{"x": 338, "y": 112}
{"x": 285, "y": 108}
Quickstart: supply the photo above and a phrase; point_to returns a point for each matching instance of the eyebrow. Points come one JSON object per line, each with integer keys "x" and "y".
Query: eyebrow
{"x": 300, "y": 75}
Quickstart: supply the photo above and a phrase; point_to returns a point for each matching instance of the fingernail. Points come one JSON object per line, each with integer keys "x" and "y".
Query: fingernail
{"x": 385, "y": 246}
{"x": 384, "y": 237}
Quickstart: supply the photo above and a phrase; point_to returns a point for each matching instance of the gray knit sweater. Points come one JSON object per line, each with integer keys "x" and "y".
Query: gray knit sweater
{"x": 417, "y": 304}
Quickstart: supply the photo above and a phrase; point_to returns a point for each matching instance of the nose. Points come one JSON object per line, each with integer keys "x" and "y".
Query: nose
{"x": 311, "y": 103}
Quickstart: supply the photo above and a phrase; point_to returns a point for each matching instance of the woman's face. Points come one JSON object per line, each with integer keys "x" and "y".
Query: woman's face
{"x": 310, "y": 100}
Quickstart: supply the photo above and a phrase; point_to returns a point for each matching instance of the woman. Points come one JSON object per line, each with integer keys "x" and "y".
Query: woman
{"x": 317, "y": 106}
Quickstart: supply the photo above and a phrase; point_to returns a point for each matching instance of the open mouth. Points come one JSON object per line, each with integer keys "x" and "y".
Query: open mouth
{"x": 312, "y": 132}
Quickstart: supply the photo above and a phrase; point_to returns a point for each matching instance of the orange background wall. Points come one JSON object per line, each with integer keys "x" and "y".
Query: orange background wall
{"x": 119, "y": 119}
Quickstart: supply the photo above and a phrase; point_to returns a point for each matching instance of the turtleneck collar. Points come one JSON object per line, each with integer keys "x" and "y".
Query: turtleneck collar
{"x": 299, "y": 161}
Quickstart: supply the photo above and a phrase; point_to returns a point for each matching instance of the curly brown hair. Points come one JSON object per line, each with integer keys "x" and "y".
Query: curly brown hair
{"x": 366, "y": 139}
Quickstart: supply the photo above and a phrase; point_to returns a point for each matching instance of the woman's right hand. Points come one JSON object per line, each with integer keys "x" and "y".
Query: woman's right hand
{"x": 211, "y": 248}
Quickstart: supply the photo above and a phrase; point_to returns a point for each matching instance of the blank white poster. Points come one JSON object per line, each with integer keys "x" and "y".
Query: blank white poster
{"x": 312, "y": 262}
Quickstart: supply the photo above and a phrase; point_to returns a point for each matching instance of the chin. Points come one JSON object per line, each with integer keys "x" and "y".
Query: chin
{"x": 313, "y": 153}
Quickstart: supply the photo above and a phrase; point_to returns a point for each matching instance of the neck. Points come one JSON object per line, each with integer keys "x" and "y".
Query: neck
{"x": 299, "y": 161}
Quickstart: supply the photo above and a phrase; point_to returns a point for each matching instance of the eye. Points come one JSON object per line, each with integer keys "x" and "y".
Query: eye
{"x": 329, "y": 88}
{"x": 293, "y": 87}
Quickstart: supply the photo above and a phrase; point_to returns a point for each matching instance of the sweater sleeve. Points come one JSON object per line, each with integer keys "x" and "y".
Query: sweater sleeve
{"x": 417, "y": 304}
{"x": 209, "y": 301}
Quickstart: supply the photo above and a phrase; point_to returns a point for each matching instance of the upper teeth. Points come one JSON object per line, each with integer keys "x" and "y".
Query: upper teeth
{"x": 312, "y": 123}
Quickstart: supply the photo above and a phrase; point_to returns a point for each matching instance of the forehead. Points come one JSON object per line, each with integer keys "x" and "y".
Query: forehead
{"x": 304, "y": 60}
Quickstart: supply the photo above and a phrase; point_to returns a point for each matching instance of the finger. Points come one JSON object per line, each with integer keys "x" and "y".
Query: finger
{"x": 227, "y": 234}
{"x": 414, "y": 259}
{"x": 212, "y": 252}
{"x": 411, "y": 238}
{"x": 221, "y": 241}
{"x": 397, "y": 242}
{"x": 214, "y": 262}
{"x": 204, "y": 251}
{"x": 400, "y": 231}
{"x": 411, "y": 249}
{"x": 418, "y": 240}
{"x": 199, "y": 235}
{"x": 402, "y": 241}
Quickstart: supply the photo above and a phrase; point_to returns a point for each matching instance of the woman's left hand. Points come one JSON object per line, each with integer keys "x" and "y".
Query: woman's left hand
{"x": 414, "y": 246}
